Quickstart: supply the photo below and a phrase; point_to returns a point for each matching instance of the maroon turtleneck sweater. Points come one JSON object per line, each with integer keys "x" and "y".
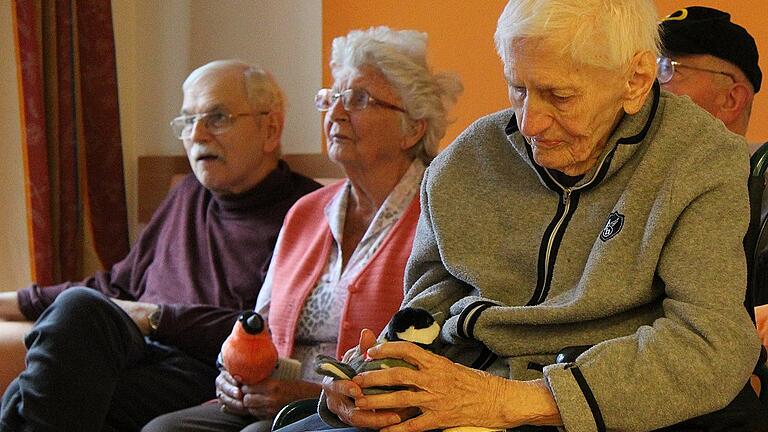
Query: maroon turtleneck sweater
{"x": 202, "y": 258}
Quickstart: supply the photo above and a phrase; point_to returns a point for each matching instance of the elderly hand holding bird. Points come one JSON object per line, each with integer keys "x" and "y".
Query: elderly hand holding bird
{"x": 262, "y": 400}
{"x": 439, "y": 393}
{"x": 245, "y": 385}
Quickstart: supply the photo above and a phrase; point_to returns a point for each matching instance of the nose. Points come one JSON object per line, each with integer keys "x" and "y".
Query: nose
{"x": 337, "y": 111}
{"x": 534, "y": 118}
{"x": 199, "y": 132}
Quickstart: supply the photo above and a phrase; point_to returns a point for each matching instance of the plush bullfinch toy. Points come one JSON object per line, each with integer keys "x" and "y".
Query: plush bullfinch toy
{"x": 248, "y": 353}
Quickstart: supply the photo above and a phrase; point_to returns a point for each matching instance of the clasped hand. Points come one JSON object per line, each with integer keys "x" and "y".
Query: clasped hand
{"x": 441, "y": 393}
{"x": 261, "y": 400}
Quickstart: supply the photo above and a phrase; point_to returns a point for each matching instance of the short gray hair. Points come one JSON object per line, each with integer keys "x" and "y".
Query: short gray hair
{"x": 602, "y": 33}
{"x": 400, "y": 55}
{"x": 261, "y": 88}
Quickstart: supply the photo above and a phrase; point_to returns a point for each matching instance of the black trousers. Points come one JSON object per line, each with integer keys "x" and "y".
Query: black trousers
{"x": 90, "y": 369}
{"x": 206, "y": 418}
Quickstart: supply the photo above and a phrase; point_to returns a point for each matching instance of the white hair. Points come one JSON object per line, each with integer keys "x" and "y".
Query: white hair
{"x": 400, "y": 56}
{"x": 261, "y": 88}
{"x": 602, "y": 33}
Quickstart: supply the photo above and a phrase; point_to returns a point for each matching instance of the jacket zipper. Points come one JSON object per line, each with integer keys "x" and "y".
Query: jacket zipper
{"x": 565, "y": 200}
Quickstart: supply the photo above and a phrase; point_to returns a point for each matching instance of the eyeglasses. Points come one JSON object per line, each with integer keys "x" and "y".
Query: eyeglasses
{"x": 215, "y": 122}
{"x": 665, "y": 68}
{"x": 353, "y": 99}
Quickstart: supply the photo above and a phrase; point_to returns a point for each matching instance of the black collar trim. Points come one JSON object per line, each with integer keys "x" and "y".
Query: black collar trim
{"x": 644, "y": 131}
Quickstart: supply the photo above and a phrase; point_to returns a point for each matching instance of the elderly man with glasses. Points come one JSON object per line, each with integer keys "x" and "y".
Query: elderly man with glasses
{"x": 141, "y": 339}
{"x": 713, "y": 61}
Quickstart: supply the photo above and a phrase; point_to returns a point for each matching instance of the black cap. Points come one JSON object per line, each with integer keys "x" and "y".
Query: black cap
{"x": 703, "y": 30}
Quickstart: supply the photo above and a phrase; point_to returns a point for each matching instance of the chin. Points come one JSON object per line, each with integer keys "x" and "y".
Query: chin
{"x": 546, "y": 160}
{"x": 206, "y": 179}
{"x": 337, "y": 154}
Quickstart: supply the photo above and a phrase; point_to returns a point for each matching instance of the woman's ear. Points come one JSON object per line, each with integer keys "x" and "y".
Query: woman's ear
{"x": 416, "y": 130}
{"x": 641, "y": 74}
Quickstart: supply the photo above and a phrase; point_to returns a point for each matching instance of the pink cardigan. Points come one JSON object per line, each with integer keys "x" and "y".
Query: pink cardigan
{"x": 375, "y": 294}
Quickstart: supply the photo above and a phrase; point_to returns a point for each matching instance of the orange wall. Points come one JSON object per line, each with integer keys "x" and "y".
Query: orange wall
{"x": 461, "y": 39}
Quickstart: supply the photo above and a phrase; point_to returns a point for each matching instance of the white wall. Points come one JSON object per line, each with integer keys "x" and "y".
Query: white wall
{"x": 14, "y": 249}
{"x": 152, "y": 50}
{"x": 283, "y": 36}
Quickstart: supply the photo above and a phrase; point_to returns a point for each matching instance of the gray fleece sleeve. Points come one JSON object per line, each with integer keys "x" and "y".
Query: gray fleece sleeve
{"x": 700, "y": 353}
{"x": 428, "y": 284}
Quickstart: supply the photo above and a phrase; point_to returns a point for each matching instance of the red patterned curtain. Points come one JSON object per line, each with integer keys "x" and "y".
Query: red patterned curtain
{"x": 71, "y": 135}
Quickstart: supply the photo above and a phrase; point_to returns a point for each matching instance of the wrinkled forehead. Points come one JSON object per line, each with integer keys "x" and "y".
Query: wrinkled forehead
{"x": 366, "y": 77}
{"x": 218, "y": 88}
{"x": 536, "y": 53}
{"x": 544, "y": 47}
{"x": 551, "y": 57}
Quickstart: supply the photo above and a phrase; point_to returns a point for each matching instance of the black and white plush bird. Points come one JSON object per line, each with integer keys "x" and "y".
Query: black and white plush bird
{"x": 410, "y": 324}
{"x": 414, "y": 325}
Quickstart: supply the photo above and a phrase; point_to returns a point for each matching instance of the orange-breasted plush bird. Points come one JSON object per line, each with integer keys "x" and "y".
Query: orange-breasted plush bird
{"x": 248, "y": 353}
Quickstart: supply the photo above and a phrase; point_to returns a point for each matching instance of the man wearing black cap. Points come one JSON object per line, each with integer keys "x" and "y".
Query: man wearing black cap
{"x": 713, "y": 61}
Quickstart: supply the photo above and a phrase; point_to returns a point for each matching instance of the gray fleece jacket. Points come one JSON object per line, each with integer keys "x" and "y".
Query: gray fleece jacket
{"x": 642, "y": 259}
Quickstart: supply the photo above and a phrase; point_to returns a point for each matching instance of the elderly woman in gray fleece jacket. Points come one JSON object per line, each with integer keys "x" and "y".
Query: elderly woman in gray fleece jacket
{"x": 597, "y": 214}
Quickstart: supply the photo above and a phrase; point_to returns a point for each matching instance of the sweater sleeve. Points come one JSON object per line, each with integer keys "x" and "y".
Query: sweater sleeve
{"x": 700, "y": 352}
{"x": 428, "y": 284}
{"x": 124, "y": 280}
{"x": 198, "y": 330}
{"x": 115, "y": 283}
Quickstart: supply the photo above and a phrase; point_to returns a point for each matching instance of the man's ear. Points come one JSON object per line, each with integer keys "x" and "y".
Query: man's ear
{"x": 416, "y": 130}
{"x": 734, "y": 103}
{"x": 274, "y": 129}
{"x": 641, "y": 74}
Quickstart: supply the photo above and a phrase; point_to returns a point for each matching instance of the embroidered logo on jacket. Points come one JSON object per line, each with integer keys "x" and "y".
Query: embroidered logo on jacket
{"x": 612, "y": 227}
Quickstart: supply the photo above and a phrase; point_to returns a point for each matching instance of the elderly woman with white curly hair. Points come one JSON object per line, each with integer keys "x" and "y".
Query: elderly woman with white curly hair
{"x": 582, "y": 250}
{"x": 340, "y": 258}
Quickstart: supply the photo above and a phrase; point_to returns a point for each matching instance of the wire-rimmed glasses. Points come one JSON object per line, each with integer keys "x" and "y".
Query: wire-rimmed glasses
{"x": 353, "y": 99}
{"x": 665, "y": 68}
{"x": 215, "y": 122}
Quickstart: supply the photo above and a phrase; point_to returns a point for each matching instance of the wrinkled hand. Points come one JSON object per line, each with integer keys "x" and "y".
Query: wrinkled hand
{"x": 229, "y": 394}
{"x": 139, "y": 313}
{"x": 262, "y": 400}
{"x": 449, "y": 394}
{"x": 267, "y": 397}
{"x": 341, "y": 396}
